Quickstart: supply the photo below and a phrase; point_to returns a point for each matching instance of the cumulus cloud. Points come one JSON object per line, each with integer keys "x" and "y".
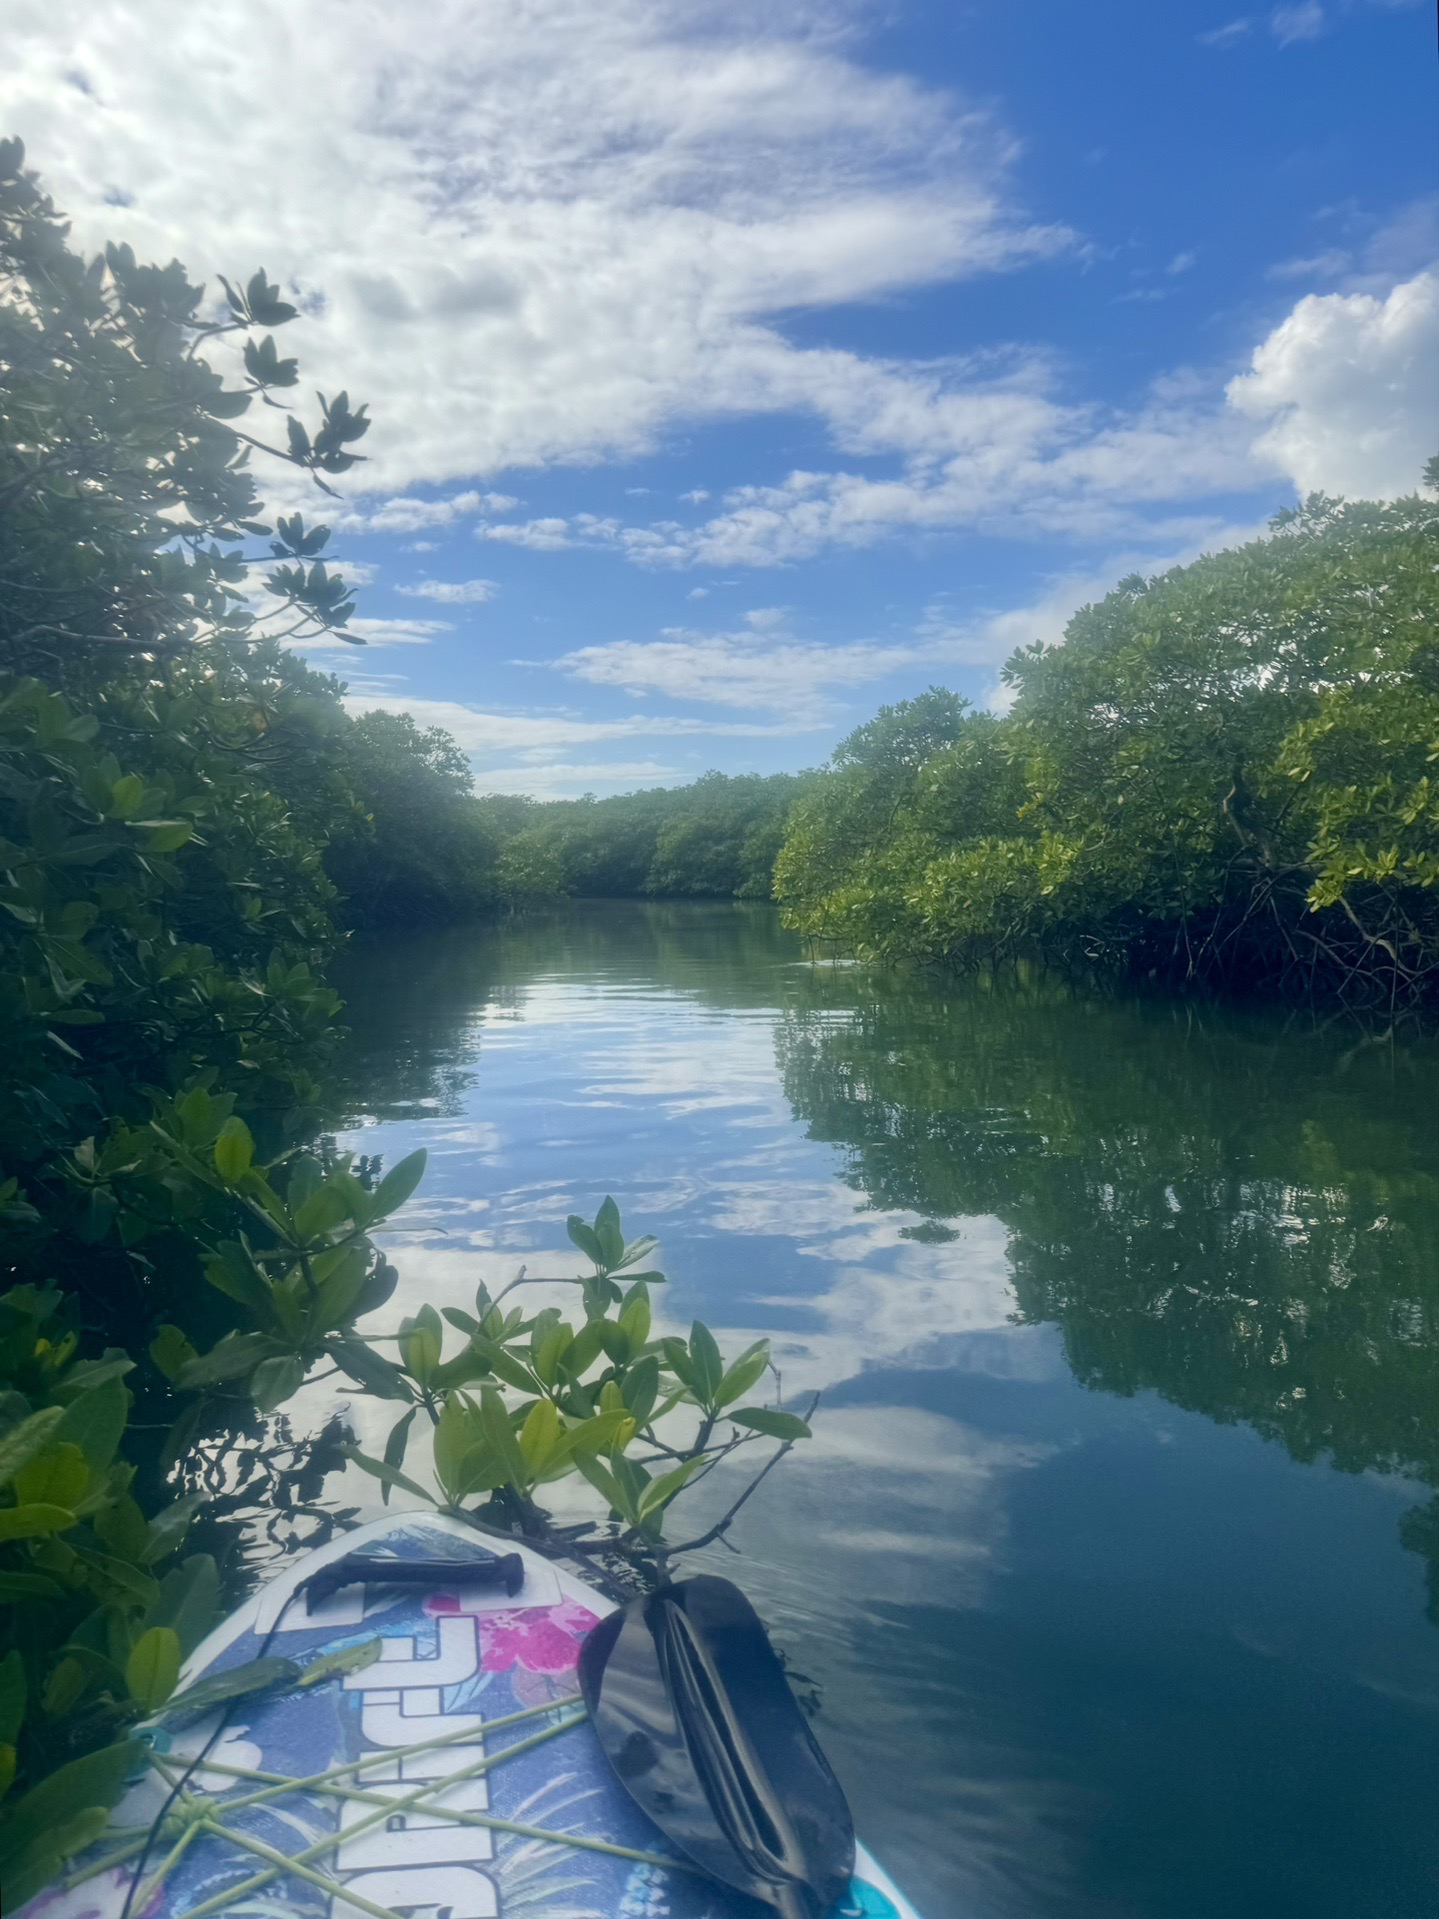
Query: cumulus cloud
{"x": 541, "y": 233}
{"x": 1348, "y": 389}
{"x": 522, "y": 233}
{"x": 453, "y": 592}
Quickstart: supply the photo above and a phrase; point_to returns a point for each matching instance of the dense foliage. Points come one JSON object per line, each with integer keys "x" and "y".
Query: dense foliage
{"x": 177, "y": 1239}
{"x": 717, "y": 837}
{"x": 1224, "y": 775}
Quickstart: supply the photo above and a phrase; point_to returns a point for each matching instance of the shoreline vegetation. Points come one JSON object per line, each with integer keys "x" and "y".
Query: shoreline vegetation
{"x": 1224, "y": 777}
{"x": 183, "y": 1247}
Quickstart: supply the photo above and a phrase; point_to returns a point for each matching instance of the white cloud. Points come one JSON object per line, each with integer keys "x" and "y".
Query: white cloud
{"x": 1380, "y": 252}
{"x": 1348, "y": 388}
{"x": 453, "y": 592}
{"x": 541, "y": 536}
{"x": 548, "y": 232}
{"x": 537, "y": 739}
{"x": 403, "y": 515}
{"x": 567, "y": 779}
{"x": 1303, "y": 22}
{"x": 764, "y": 667}
{"x": 523, "y": 234}
{"x": 376, "y": 633}
{"x": 755, "y": 668}
{"x": 1228, "y": 35}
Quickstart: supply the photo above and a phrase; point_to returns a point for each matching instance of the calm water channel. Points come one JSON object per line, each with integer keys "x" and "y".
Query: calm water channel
{"x": 1109, "y": 1558}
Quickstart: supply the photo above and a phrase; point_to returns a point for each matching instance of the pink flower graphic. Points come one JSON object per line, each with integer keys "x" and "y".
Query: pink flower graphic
{"x": 542, "y": 1639}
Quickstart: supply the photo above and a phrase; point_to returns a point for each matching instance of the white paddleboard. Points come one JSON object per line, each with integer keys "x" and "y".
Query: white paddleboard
{"x": 453, "y": 1661}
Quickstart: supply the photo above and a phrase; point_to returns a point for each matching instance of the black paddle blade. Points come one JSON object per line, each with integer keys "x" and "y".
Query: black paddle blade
{"x": 696, "y": 1717}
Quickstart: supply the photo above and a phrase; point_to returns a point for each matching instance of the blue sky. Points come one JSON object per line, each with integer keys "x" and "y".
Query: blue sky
{"x": 738, "y": 368}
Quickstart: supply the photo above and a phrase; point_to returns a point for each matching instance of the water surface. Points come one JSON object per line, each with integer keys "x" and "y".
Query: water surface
{"x": 1115, "y": 1558}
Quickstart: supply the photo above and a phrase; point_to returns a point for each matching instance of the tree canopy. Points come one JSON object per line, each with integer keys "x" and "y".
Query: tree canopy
{"x": 1224, "y": 775}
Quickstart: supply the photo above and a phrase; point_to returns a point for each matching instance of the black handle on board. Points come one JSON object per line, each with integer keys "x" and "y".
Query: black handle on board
{"x": 505, "y": 1569}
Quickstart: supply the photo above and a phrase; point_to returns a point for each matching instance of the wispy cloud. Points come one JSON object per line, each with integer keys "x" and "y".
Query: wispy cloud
{"x": 453, "y": 592}
{"x": 1229, "y": 35}
{"x": 377, "y": 633}
{"x": 1307, "y": 21}
{"x": 548, "y": 754}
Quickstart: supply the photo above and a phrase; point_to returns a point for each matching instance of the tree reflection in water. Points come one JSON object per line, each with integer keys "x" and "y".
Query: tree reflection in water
{"x": 1237, "y": 1212}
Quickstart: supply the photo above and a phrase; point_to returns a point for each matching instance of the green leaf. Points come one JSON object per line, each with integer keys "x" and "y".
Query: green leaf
{"x": 604, "y": 1432}
{"x": 640, "y": 1387}
{"x": 166, "y": 836}
{"x": 12, "y": 1696}
{"x": 231, "y": 1270}
{"x": 66, "y": 1686}
{"x": 763, "y": 1419}
{"x": 331, "y": 1665}
{"x": 584, "y": 1237}
{"x": 398, "y": 1184}
{"x": 634, "y": 1321}
{"x": 235, "y": 1355}
{"x": 59, "y": 1477}
{"x": 608, "y": 1486}
{"x": 29, "y": 1586}
{"x": 582, "y": 1351}
{"x": 257, "y": 1675}
{"x": 189, "y": 1600}
{"x": 550, "y": 1351}
{"x": 276, "y": 1380}
{"x": 749, "y": 1367}
{"x": 24, "y": 1441}
{"x": 234, "y": 1150}
{"x": 540, "y": 1436}
{"x": 395, "y": 1448}
{"x": 607, "y": 1233}
{"x": 421, "y": 1343}
{"x": 120, "y": 1527}
{"x": 705, "y": 1357}
{"x": 456, "y": 1433}
{"x": 318, "y": 1215}
{"x": 505, "y": 1366}
{"x": 677, "y": 1356}
{"x": 127, "y": 796}
{"x": 500, "y": 1435}
{"x": 172, "y": 1352}
{"x": 374, "y": 1372}
{"x": 166, "y": 1532}
{"x": 32, "y": 1522}
{"x": 658, "y": 1494}
{"x": 153, "y": 1667}
{"x": 94, "y": 1781}
{"x": 95, "y": 1422}
{"x": 387, "y": 1474}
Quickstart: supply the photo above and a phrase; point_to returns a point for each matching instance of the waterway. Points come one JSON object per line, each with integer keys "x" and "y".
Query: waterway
{"x": 1115, "y": 1559}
